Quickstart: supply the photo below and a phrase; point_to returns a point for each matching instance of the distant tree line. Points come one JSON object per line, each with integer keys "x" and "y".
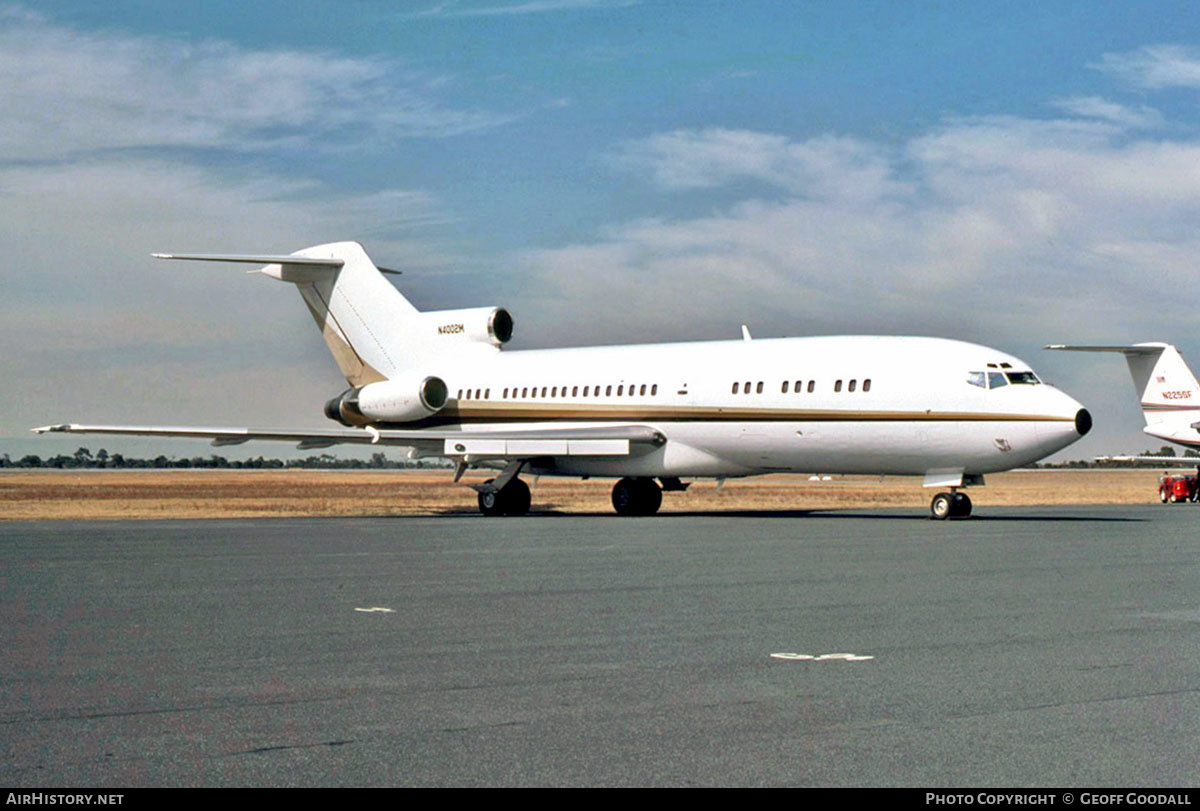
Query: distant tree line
{"x": 83, "y": 458}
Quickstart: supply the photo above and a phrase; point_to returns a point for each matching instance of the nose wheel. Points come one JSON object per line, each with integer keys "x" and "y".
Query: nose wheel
{"x": 949, "y": 505}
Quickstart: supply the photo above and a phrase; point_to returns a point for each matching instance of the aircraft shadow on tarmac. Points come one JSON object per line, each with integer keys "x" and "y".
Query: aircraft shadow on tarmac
{"x": 839, "y": 514}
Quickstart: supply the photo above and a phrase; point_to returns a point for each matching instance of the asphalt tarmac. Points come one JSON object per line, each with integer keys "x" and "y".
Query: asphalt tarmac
{"x": 1022, "y": 647}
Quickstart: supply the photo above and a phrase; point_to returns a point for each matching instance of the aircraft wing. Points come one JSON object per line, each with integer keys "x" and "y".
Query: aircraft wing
{"x": 1159, "y": 461}
{"x": 624, "y": 440}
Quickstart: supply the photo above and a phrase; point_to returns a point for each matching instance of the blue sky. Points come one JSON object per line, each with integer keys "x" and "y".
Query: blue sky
{"x": 1010, "y": 173}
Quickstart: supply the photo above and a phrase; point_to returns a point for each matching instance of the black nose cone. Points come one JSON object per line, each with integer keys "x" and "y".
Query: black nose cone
{"x": 1083, "y": 422}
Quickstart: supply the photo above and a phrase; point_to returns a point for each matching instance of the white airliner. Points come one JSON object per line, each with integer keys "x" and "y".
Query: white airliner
{"x": 1167, "y": 389}
{"x": 437, "y": 382}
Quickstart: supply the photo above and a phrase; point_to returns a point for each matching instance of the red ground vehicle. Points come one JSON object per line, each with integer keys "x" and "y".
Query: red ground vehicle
{"x": 1178, "y": 487}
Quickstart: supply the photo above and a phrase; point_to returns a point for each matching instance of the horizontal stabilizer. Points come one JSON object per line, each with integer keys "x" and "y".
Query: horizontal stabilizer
{"x": 265, "y": 259}
{"x": 254, "y": 259}
{"x": 1135, "y": 349}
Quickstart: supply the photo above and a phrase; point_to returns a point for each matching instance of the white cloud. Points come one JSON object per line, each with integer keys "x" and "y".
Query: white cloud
{"x": 455, "y": 9}
{"x": 826, "y": 167}
{"x": 1008, "y": 231}
{"x": 1095, "y": 107}
{"x": 88, "y": 314}
{"x": 94, "y": 328}
{"x": 1034, "y": 208}
{"x": 1155, "y": 67}
{"x": 67, "y": 91}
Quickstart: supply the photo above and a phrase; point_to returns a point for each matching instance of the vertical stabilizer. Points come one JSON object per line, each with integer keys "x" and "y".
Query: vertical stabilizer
{"x": 1167, "y": 389}
{"x": 1167, "y": 384}
{"x": 364, "y": 319}
{"x": 368, "y": 325}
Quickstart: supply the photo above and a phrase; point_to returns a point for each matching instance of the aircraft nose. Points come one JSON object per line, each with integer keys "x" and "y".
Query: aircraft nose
{"x": 1083, "y": 421}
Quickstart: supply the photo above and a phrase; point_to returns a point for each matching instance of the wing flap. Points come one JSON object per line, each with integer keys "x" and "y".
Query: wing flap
{"x": 523, "y": 447}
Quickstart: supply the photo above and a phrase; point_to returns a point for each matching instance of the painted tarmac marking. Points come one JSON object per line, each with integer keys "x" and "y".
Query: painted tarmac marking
{"x": 824, "y": 657}
{"x": 376, "y": 610}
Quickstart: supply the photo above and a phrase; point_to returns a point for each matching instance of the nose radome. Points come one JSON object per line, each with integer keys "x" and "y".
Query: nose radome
{"x": 1083, "y": 422}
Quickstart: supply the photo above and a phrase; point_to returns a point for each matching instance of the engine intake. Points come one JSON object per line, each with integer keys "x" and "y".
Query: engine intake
{"x": 396, "y": 400}
{"x": 490, "y": 325}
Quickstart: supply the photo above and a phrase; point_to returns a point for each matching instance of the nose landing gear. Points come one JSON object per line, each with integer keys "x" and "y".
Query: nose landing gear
{"x": 950, "y": 505}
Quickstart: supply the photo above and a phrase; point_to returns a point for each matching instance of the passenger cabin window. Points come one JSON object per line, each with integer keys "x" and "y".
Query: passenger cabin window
{"x": 812, "y": 384}
{"x": 837, "y": 386}
{"x": 853, "y": 385}
{"x": 867, "y": 385}
{"x": 758, "y": 390}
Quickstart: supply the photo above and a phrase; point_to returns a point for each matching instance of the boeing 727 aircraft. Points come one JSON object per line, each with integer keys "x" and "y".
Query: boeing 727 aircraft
{"x": 439, "y": 383}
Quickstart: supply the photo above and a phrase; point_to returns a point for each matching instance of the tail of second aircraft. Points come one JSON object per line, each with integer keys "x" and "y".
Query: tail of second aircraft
{"x": 371, "y": 329}
{"x": 1168, "y": 391}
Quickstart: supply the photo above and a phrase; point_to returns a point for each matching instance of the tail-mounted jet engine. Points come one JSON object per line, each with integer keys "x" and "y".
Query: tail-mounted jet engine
{"x": 397, "y": 400}
{"x": 486, "y": 325}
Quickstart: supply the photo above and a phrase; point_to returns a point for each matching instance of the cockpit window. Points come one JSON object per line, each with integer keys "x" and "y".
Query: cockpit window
{"x": 996, "y": 380}
{"x": 1023, "y": 378}
{"x": 977, "y": 379}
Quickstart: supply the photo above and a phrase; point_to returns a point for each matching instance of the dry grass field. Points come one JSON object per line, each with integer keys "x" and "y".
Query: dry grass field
{"x": 96, "y": 494}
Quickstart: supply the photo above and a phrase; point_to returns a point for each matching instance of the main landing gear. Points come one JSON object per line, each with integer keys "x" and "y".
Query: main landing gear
{"x": 630, "y": 496}
{"x": 950, "y": 505}
{"x": 640, "y": 496}
{"x": 512, "y": 499}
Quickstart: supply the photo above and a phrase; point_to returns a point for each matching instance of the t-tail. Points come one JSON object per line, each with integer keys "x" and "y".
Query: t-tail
{"x": 389, "y": 351}
{"x": 1168, "y": 391}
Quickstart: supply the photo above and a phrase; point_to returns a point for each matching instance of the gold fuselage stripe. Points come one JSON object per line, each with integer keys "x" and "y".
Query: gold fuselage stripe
{"x": 479, "y": 412}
